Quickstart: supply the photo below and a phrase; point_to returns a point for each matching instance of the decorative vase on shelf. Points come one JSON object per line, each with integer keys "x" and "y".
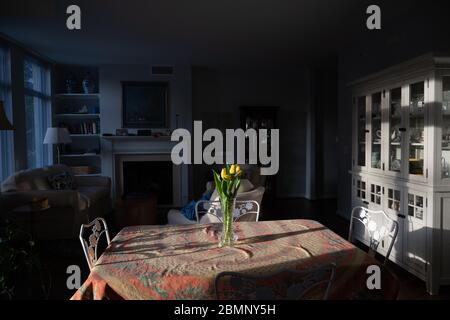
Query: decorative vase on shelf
{"x": 227, "y": 184}
{"x": 88, "y": 84}
{"x": 71, "y": 83}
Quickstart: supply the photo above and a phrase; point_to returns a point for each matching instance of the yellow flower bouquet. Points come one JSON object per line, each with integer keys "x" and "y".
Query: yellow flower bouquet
{"x": 227, "y": 185}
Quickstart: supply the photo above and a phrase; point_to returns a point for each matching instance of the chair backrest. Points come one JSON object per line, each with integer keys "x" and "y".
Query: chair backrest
{"x": 255, "y": 194}
{"x": 289, "y": 284}
{"x": 377, "y": 226}
{"x": 96, "y": 229}
{"x": 252, "y": 172}
{"x": 210, "y": 211}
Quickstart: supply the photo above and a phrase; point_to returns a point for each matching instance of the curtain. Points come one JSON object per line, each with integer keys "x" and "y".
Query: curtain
{"x": 38, "y": 112}
{"x": 6, "y": 137}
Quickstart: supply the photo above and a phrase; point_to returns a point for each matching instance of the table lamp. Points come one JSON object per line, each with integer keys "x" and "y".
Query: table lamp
{"x": 4, "y": 122}
{"x": 57, "y": 136}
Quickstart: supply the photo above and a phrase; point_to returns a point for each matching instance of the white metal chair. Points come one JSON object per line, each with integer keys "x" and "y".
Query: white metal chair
{"x": 210, "y": 211}
{"x": 377, "y": 226}
{"x": 288, "y": 284}
{"x": 97, "y": 228}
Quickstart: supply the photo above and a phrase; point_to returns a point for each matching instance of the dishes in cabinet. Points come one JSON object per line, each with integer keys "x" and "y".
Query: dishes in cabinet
{"x": 376, "y": 164}
{"x": 378, "y": 133}
{"x": 445, "y": 168}
{"x": 396, "y": 110}
{"x": 416, "y": 166}
{"x": 396, "y": 165}
{"x": 395, "y": 136}
{"x": 395, "y": 205}
{"x": 417, "y": 102}
{"x": 446, "y": 135}
{"x": 416, "y": 135}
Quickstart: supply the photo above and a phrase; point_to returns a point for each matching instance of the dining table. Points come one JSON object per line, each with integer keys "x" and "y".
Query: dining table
{"x": 182, "y": 261}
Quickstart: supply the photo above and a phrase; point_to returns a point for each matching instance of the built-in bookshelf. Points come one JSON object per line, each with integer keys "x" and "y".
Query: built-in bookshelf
{"x": 76, "y": 101}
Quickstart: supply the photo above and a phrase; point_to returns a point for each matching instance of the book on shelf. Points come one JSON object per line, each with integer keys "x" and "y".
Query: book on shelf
{"x": 88, "y": 127}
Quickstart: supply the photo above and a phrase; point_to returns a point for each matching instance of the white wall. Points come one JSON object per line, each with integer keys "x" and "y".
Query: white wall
{"x": 214, "y": 96}
{"x": 223, "y": 91}
{"x": 110, "y": 77}
{"x": 324, "y": 134}
{"x": 111, "y": 92}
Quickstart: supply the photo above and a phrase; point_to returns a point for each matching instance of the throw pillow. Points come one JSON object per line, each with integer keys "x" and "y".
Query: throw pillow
{"x": 62, "y": 181}
{"x": 189, "y": 210}
{"x": 245, "y": 186}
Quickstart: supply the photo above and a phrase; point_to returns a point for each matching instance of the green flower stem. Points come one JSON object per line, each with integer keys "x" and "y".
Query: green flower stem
{"x": 227, "y": 204}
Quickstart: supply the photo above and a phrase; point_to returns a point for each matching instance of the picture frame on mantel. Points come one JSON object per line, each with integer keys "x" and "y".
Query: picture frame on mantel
{"x": 121, "y": 132}
{"x": 145, "y": 104}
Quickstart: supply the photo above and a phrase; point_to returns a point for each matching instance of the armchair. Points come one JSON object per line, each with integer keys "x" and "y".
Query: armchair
{"x": 175, "y": 217}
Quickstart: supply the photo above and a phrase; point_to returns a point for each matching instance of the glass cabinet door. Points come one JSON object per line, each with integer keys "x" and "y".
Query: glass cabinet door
{"x": 361, "y": 127}
{"x": 395, "y": 130}
{"x": 375, "y": 194}
{"x": 415, "y": 232}
{"x": 361, "y": 189}
{"x": 416, "y": 128}
{"x": 394, "y": 208}
{"x": 394, "y": 200}
{"x": 375, "y": 130}
{"x": 360, "y": 192}
{"x": 415, "y": 206}
{"x": 445, "y": 156}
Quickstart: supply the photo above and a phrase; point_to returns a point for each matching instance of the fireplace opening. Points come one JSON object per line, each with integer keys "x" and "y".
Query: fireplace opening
{"x": 142, "y": 179}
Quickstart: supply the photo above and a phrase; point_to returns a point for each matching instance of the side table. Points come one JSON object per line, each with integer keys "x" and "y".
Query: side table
{"x": 31, "y": 211}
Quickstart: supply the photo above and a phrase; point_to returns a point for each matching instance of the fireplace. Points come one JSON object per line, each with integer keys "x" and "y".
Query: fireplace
{"x": 139, "y": 176}
{"x": 142, "y": 179}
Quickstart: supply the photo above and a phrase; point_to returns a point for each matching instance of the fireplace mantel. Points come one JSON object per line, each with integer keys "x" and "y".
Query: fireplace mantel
{"x": 139, "y": 144}
{"x": 116, "y": 149}
{"x": 136, "y": 138}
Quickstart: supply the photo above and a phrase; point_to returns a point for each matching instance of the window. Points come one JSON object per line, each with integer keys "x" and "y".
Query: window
{"x": 38, "y": 112}
{"x": 6, "y": 137}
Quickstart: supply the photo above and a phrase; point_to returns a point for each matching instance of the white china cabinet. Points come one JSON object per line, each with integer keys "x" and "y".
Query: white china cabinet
{"x": 401, "y": 160}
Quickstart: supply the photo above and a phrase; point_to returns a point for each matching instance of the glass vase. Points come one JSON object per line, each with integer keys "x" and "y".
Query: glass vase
{"x": 227, "y": 237}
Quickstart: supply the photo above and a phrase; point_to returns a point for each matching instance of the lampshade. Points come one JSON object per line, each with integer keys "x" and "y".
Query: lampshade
{"x": 57, "y": 136}
{"x": 4, "y": 122}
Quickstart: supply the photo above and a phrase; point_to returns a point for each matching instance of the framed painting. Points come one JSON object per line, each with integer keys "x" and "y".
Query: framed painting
{"x": 145, "y": 104}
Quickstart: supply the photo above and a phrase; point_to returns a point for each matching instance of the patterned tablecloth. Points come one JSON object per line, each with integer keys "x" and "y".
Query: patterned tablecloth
{"x": 181, "y": 262}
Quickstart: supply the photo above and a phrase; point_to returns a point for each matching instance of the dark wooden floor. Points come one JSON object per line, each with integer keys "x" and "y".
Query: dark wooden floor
{"x": 57, "y": 256}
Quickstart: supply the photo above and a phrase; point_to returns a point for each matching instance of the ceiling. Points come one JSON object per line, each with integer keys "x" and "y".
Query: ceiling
{"x": 198, "y": 32}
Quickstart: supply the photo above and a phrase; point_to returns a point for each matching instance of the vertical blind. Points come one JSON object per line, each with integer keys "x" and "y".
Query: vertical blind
{"x": 6, "y": 137}
{"x": 38, "y": 112}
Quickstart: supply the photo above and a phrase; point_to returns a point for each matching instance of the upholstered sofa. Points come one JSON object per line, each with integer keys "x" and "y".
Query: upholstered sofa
{"x": 89, "y": 198}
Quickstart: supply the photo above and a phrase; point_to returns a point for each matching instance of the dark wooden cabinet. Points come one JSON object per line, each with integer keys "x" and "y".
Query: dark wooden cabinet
{"x": 261, "y": 117}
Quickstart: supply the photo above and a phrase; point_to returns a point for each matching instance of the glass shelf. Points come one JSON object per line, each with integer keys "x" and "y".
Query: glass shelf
{"x": 361, "y": 147}
{"x": 445, "y": 146}
{"x": 416, "y": 128}
{"x": 395, "y": 123}
{"x": 376, "y": 132}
